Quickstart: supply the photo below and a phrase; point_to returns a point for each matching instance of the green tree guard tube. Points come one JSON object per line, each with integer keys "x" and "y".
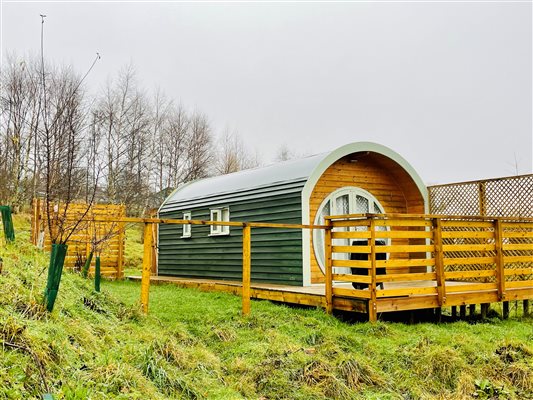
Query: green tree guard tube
{"x": 55, "y": 269}
{"x": 87, "y": 265}
{"x": 97, "y": 274}
{"x": 7, "y": 221}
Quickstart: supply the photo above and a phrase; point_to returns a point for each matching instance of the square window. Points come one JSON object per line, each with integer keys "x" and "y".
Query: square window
{"x": 186, "y": 228}
{"x": 220, "y": 214}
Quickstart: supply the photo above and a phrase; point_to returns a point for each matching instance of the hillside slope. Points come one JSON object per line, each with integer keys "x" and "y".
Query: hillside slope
{"x": 196, "y": 345}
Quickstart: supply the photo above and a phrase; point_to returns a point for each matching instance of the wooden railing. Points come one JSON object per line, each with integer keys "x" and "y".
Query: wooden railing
{"x": 429, "y": 259}
{"x": 422, "y": 261}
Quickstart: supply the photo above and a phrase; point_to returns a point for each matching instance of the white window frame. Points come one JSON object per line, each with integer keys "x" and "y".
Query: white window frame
{"x": 219, "y": 214}
{"x": 187, "y": 232}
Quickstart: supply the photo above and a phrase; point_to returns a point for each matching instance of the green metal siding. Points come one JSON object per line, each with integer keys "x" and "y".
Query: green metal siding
{"x": 276, "y": 253}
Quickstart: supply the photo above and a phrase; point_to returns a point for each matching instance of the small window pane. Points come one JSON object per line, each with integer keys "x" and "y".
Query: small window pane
{"x": 361, "y": 205}
{"x": 342, "y": 205}
{"x": 187, "y": 228}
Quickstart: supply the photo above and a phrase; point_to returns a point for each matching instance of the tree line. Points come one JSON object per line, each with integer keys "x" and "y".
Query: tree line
{"x": 121, "y": 145}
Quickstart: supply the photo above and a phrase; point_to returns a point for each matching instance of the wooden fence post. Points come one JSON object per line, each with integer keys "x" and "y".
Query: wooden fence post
{"x": 120, "y": 260}
{"x": 328, "y": 266}
{"x": 154, "y": 249}
{"x": 500, "y": 270}
{"x": 372, "y": 305}
{"x": 147, "y": 266}
{"x": 439, "y": 261}
{"x": 246, "y": 267}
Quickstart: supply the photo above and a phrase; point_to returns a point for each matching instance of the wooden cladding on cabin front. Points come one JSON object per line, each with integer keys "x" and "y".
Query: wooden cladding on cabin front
{"x": 276, "y": 253}
{"x": 386, "y": 180}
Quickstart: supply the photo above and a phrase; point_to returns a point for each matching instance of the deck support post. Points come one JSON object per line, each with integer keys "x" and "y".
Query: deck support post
{"x": 147, "y": 267}
{"x": 505, "y": 310}
{"x": 438, "y": 314}
{"x": 484, "y": 310}
{"x": 372, "y": 305}
{"x": 246, "y": 267}
{"x": 439, "y": 261}
{"x": 525, "y": 304}
{"x": 500, "y": 266}
{"x": 472, "y": 310}
{"x": 462, "y": 311}
{"x": 454, "y": 311}
{"x": 329, "y": 267}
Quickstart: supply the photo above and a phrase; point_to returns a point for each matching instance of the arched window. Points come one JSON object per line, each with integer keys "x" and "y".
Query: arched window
{"x": 346, "y": 200}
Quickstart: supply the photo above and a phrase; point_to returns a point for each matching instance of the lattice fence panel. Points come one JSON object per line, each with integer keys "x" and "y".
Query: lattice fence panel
{"x": 470, "y": 254}
{"x": 502, "y": 197}
{"x": 518, "y": 236}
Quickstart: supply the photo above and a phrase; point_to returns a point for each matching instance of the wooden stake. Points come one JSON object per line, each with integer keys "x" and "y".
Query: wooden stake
{"x": 246, "y": 268}
{"x": 454, "y": 311}
{"x": 329, "y": 268}
{"x": 462, "y": 311}
{"x": 526, "y": 308}
{"x": 147, "y": 266}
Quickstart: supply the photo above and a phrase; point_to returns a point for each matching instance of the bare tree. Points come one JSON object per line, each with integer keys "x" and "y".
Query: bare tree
{"x": 199, "y": 152}
{"x": 174, "y": 142}
{"x": 232, "y": 155}
{"x": 284, "y": 153}
{"x": 19, "y": 118}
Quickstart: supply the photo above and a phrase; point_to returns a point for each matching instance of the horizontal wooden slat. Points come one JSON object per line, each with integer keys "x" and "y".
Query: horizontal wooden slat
{"x": 518, "y": 271}
{"x": 405, "y": 249}
{"x": 413, "y": 291}
{"x": 351, "y": 263}
{"x": 352, "y": 278}
{"x": 520, "y": 284}
{"x": 351, "y": 249}
{"x": 351, "y": 235}
{"x": 406, "y": 277}
{"x": 404, "y": 234}
{"x": 350, "y": 223}
{"x": 517, "y": 225}
{"x": 364, "y": 294}
{"x": 466, "y": 224}
{"x": 468, "y": 247}
{"x": 521, "y": 234}
{"x": 403, "y": 222}
{"x": 469, "y": 274}
{"x": 422, "y": 262}
{"x": 521, "y": 246}
{"x": 467, "y": 234}
{"x": 469, "y": 260}
{"x": 471, "y": 287}
{"x": 514, "y": 259}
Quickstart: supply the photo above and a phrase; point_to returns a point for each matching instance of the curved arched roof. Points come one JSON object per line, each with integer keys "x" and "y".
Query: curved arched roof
{"x": 301, "y": 174}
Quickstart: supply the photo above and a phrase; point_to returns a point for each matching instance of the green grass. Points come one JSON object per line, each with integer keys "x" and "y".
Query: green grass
{"x": 196, "y": 345}
{"x": 133, "y": 251}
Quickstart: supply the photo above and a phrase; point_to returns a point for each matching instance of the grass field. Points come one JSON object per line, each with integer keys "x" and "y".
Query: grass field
{"x": 196, "y": 345}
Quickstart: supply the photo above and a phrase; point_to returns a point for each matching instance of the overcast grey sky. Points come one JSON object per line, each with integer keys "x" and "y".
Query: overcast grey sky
{"x": 447, "y": 85}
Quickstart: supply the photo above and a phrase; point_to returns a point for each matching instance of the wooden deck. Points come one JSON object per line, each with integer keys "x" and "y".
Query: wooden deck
{"x": 424, "y": 262}
{"x": 315, "y": 295}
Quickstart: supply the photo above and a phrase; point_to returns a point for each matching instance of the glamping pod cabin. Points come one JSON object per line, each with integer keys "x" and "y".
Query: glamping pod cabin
{"x": 356, "y": 178}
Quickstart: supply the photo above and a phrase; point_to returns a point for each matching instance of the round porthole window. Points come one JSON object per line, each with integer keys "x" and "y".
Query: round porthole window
{"x": 346, "y": 200}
